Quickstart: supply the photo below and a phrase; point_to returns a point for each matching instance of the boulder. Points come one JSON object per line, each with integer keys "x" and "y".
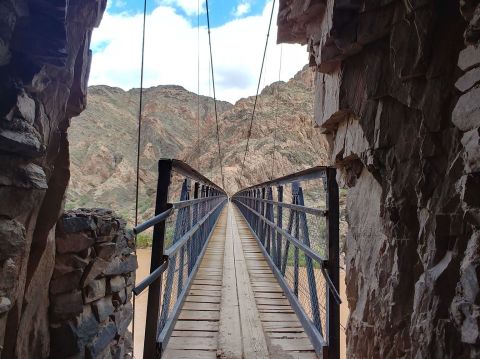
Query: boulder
{"x": 105, "y": 250}
{"x": 94, "y": 269}
{"x": 65, "y": 263}
{"x": 96, "y": 289}
{"x": 105, "y": 336}
{"x": 103, "y": 308}
{"x": 67, "y": 305}
{"x": 78, "y": 224}
{"x": 66, "y": 282}
{"x": 121, "y": 265}
{"x": 74, "y": 243}
{"x": 116, "y": 284}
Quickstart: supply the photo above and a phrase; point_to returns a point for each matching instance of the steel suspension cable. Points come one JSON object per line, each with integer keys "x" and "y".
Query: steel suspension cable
{"x": 249, "y": 133}
{"x": 220, "y": 158}
{"x": 198, "y": 85}
{"x": 276, "y": 113}
{"x": 139, "y": 134}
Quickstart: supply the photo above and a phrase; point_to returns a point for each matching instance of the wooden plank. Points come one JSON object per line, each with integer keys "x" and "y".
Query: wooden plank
{"x": 202, "y": 299}
{"x": 279, "y": 317}
{"x": 205, "y": 293}
{"x": 189, "y": 354}
{"x": 230, "y": 333}
{"x": 254, "y": 343}
{"x": 199, "y": 315}
{"x": 272, "y": 301}
{"x": 193, "y": 333}
{"x": 281, "y": 327}
{"x": 278, "y": 310}
{"x": 195, "y": 343}
{"x": 208, "y": 282}
{"x": 269, "y": 295}
{"x": 267, "y": 290}
{"x": 202, "y": 325}
{"x": 213, "y": 288}
{"x": 293, "y": 344}
{"x": 285, "y": 335}
{"x": 201, "y": 306}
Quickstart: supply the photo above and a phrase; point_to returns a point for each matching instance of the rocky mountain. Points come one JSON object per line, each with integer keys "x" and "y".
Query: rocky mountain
{"x": 103, "y": 170}
{"x": 283, "y": 138}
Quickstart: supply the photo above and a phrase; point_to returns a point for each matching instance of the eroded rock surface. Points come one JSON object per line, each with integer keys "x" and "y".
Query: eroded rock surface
{"x": 91, "y": 307}
{"x": 44, "y": 66}
{"x": 397, "y": 92}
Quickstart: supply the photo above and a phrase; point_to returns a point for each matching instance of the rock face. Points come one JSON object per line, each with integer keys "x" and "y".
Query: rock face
{"x": 398, "y": 94}
{"x": 44, "y": 66}
{"x": 92, "y": 286}
{"x": 171, "y": 114}
{"x": 283, "y": 118}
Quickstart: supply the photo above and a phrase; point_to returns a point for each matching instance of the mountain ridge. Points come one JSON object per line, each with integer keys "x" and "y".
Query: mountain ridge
{"x": 103, "y": 170}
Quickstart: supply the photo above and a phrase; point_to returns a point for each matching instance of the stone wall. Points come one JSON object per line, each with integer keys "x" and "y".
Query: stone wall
{"x": 403, "y": 122}
{"x": 44, "y": 67}
{"x": 91, "y": 287}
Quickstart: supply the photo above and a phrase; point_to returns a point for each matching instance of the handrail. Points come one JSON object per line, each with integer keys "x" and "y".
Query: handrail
{"x": 150, "y": 278}
{"x": 309, "y": 210}
{"x": 321, "y": 261}
{"x": 181, "y": 241}
{"x": 184, "y": 169}
{"x": 164, "y": 215}
{"x": 305, "y": 175}
{"x": 153, "y": 221}
{"x": 307, "y": 276}
{"x": 193, "y": 227}
{"x": 189, "y": 202}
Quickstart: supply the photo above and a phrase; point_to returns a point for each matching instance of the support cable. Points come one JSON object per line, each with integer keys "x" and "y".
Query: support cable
{"x": 249, "y": 133}
{"x": 220, "y": 158}
{"x": 198, "y": 85}
{"x": 276, "y": 114}
{"x": 137, "y": 179}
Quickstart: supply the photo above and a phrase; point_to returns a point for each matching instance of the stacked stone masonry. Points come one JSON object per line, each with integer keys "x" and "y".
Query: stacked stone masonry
{"x": 398, "y": 95}
{"x": 44, "y": 68}
{"x": 91, "y": 286}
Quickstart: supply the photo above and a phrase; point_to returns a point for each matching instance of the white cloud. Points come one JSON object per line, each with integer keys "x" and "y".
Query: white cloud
{"x": 171, "y": 53}
{"x": 190, "y": 7}
{"x": 242, "y": 9}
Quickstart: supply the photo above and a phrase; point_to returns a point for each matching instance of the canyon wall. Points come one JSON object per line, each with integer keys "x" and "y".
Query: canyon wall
{"x": 44, "y": 67}
{"x": 398, "y": 96}
{"x": 91, "y": 287}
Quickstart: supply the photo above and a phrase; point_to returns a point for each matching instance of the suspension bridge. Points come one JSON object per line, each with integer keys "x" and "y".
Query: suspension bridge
{"x": 251, "y": 275}
{"x": 254, "y": 275}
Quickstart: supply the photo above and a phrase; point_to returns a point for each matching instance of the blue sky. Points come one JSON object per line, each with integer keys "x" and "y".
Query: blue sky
{"x": 221, "y": 11}
{"x": 175, "y": 47}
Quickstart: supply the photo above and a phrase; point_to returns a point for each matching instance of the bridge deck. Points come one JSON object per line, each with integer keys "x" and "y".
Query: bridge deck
{"x": 235, "y": 307}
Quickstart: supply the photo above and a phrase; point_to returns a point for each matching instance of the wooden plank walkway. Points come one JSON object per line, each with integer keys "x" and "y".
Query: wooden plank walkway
{"x": 235, "y": 308}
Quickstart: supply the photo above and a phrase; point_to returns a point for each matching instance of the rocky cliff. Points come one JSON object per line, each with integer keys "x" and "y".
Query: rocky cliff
{"x": 44, "y": 67}
{"x": 283, "y": 140}
{"x": 103, "y": 167}
{"x": 397, "y": 93}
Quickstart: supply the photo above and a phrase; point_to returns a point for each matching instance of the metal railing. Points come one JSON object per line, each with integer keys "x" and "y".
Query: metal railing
{"x": 181, "y": 231}
{"x": 300, "y": 241}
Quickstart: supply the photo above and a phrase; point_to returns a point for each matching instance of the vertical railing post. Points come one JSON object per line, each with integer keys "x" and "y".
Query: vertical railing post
{"x": 262, "y": 223}
{"x": 296, "y": 233}
{"x": 151, "y": 348}
{"x": 269, "y": 231}
{"x": 279, "y": 224}
{"x": 194, "y": 240}
{"x": 333, "y": 235}
{"x": 312, "y": 283}
{"x": 184, "y": 223}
